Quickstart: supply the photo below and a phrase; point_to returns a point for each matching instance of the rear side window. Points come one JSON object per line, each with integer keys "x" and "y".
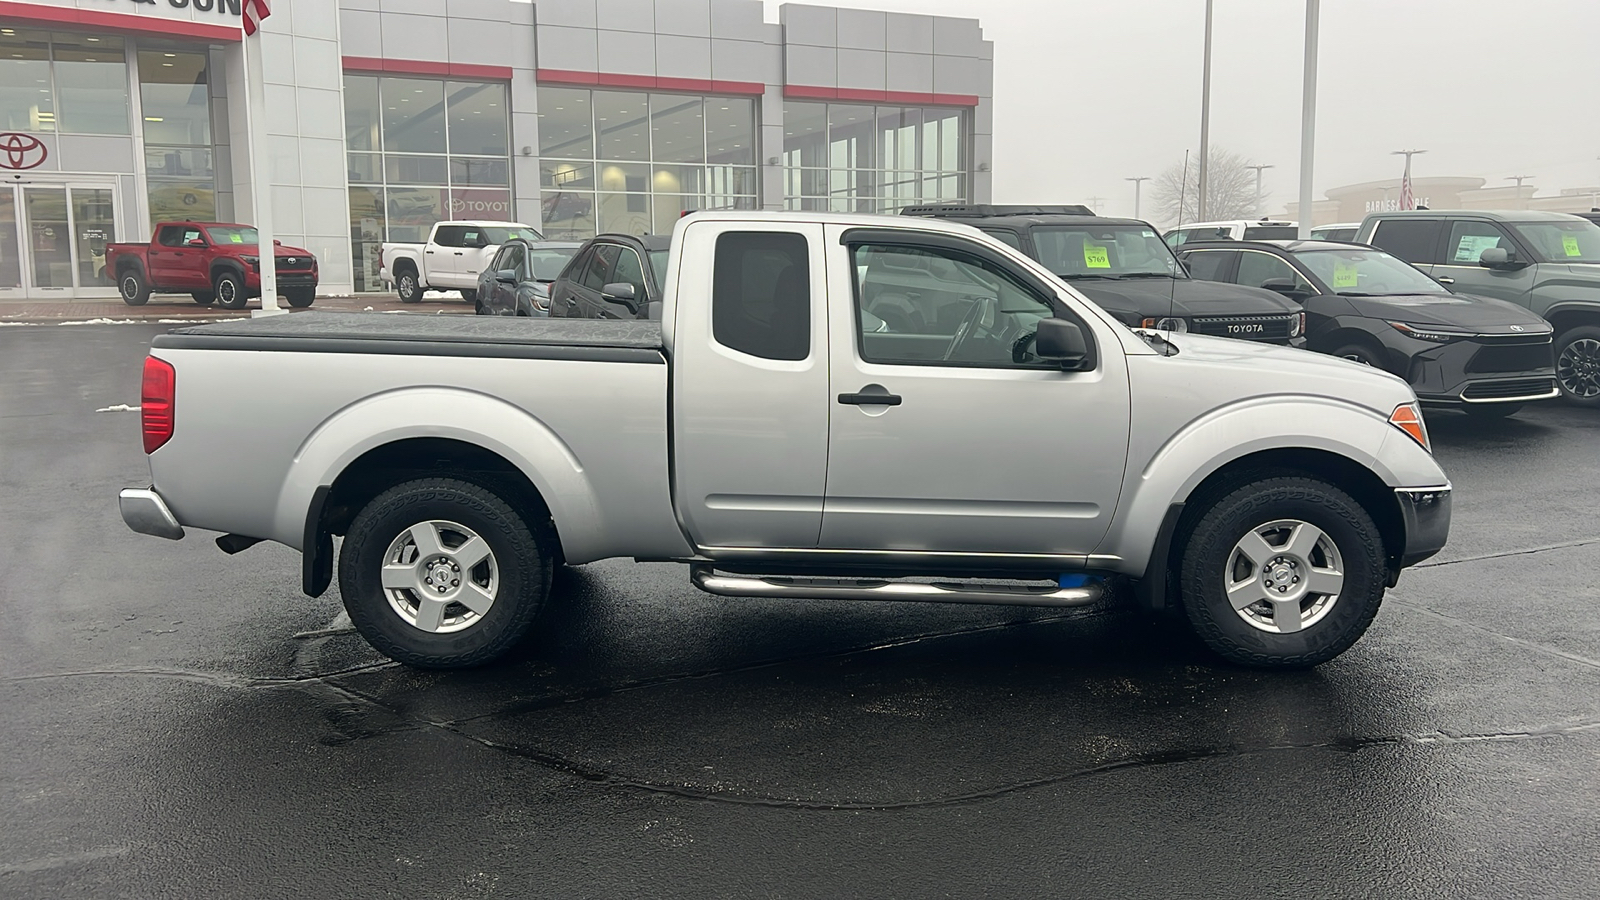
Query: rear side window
{"x": 170, "y": 236}
{"x": 761, "y": 294}
{"x": 448, "y": 235}
{"x": 1207, "y": 265}
{"x": 1413, "y": 240}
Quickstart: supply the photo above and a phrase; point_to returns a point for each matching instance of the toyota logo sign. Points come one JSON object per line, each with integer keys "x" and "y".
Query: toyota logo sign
{"x": 21, "y": 151}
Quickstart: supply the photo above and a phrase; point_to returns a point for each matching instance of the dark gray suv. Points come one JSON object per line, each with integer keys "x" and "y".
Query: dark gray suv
{"x": 1547, "y": 262}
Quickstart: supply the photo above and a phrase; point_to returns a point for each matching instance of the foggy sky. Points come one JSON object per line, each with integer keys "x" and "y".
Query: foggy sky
{"x": 1088, "y": 92}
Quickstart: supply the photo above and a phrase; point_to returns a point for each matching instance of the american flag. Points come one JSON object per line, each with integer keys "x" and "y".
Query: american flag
{"x": 1408, "y": 200}
{"x": 255, "y": 11}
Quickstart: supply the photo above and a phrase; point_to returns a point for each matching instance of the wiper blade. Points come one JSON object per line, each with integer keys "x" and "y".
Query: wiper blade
{"x": 1356, "y": 294}
{"x": 1147, "y": 275}
{"x": 1078, "y": 276}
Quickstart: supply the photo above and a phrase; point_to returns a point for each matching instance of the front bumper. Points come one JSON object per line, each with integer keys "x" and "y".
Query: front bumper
{"x": 1426, "y": 515}
{"x": 145, "y": 512}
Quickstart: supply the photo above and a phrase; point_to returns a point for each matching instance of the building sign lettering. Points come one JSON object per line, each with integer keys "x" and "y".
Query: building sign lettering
{"x": 222, "y": 7}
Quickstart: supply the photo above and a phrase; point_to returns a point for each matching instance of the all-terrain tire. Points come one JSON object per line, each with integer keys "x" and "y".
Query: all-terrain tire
{"x": 229, "y": 290}
{"x": 300, "y": 297}
{"x": 521, "y": 558}
{"x": 1213, "y": 560}
{"x": 407, "y": 286}
{"x": 134, "y": 289}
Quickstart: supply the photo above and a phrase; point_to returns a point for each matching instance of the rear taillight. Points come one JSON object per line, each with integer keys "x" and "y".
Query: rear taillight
{"x": 156, "y": 402}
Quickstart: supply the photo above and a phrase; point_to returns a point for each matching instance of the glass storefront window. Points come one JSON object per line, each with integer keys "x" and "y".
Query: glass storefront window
{"x": 856, "y": 158}
{"x": 617, "y": 161}
{"x": 178, "y": 161}
{"x": 176, "y": 97}
{"x": 174, "y": 201}
{"x": 422, "y": 151}
{"x": 361, "y": 112}
{"x": 477, "y": 119}
{"x": 413, "y": 115}
{"x": 93, "y": 225}
{"x": 91, "y": 84}
{"x": 26, "y": 100}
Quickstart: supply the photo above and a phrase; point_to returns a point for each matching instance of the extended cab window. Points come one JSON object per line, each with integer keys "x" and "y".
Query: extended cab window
{"x": 940, "y": 307}
{"x": 1413, "y": 240}
{"x": 761, "y": 294}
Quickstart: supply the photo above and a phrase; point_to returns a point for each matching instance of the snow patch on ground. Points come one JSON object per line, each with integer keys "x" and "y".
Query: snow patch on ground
{"x": 120, "y": 407}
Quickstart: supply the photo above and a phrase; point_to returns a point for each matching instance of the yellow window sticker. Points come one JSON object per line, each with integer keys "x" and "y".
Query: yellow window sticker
{"x": 1569, "y": 243}
{"x": 1345, "y": 274}
{"x": 236, "y": 238}
{"x": 1095, "y": 257}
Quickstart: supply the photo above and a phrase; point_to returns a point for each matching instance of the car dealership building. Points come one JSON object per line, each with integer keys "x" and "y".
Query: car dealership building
{"x": 385, "y": 116}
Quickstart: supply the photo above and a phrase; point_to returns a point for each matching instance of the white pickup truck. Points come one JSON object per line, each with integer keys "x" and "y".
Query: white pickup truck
{"x": 1012, "y": 444}
{"x": 455, "y": 254}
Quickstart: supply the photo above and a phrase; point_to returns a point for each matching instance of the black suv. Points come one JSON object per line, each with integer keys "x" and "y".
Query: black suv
{"x": 1125, "y": 267}
{"x": 613, "y": 276}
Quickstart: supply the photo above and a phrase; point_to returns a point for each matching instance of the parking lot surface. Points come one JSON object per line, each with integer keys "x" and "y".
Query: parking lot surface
{"x": 182, "y": 723}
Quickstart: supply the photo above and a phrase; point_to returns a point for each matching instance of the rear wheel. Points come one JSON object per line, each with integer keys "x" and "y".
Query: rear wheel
{"x": 440, "y": 573}
{"x": 1285, "y": 572}
{"x": 407, "y": 286}
{"x": 1578, "y": 365}
{"x": 471, "y": 296}
{"x": 1360, "y": 353}
{"x": 229, "y": 291}
{"x": 204, "y": 298}
{"x": 135, "y": 291}
{"x": 300, "y": 297}
{"x": 1492, "y": 410}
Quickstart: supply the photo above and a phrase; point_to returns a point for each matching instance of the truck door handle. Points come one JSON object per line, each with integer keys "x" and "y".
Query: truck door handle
{"x": 1445, "y": 279}
{"x": 429, "y": 252}
{"x": 880, "y": 397}
{"x": 458, "y": 252}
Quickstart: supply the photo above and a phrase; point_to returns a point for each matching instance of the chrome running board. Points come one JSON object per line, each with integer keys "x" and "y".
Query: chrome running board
{"x": 778, "y": 586}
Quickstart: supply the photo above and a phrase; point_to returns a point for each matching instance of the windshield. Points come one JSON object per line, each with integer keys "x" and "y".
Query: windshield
{"x": 1366, "y": 273}
{"x": 658, "y": 262}
{"x": 547, "y": 262}
{"x": 1104, "y": 251}
{"x": 1575, "y": 241}
{"x": 233, "y": 234}
{"x": 500, "y": 234}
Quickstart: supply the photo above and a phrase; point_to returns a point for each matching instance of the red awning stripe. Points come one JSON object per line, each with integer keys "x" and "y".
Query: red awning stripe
{"x": 373, "y": 65}
{"x": 650, "y": 82}
{"x": 859, "y": 95}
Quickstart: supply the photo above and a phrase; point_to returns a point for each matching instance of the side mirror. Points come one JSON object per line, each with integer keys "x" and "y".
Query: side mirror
{"x": 1499, "y": 258}
{"x": 1060, "y": 341}
{"x": 506, "y": 276}
{"x": 198, "y": 242}
{"x": 277, "y": 243}
{"x": 621, "y": 292}
{"x": 1285, "y": 286}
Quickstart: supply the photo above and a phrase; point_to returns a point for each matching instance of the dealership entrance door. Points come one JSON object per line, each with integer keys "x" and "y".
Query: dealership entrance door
{"x": 53, "y": 238}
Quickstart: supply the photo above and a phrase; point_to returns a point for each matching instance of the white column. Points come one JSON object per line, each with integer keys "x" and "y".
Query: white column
{"x": 1308, "y": 116}
{"x": 260, "y": 176}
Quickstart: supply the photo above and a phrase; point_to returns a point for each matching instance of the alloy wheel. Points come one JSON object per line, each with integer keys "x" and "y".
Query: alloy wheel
{"x": 440, "y": 577}
{"x": 1284, "y": 576}
{"x": 1578, "y": 368}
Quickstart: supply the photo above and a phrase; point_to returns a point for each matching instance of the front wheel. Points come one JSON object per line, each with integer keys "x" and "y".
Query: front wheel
{"x": 229, "y": 291}
{"x": 300, "y": 297}
{"x": 440, "y": 573}
{"x": 1578, "y": 365}
{"x": 204, "y": 298}
{"x": 1283, "y": 573}
{"x": 1359, "y": 353}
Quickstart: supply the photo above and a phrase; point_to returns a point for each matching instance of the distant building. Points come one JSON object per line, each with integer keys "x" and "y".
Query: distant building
{"x": 1352, "y": 202}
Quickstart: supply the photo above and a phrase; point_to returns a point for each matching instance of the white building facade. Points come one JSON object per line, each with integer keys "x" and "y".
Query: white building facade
{"x": 385, "y": 116}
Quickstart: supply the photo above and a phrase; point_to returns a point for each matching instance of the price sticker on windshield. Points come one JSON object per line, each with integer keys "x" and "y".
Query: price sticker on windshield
{"x": 236, "y": 238}
{"x": 1345, "y": 274}
{"x": 1569, "y": 244}
{"x": 1095, "y": 257}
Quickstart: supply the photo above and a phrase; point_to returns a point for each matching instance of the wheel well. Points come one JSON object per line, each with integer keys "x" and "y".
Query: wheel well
{"x": 124, "y": 265}
{"x": 383, "y": 467}
{"x": 405, "y": 265}
{"x": 1357, "y": 480}
{"x": 217, "y": 268}
{"x": 1574, "y": 318}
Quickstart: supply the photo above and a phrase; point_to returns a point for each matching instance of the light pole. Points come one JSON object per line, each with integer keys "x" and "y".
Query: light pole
{"x": 1519, "y": 179}
{"x": 1308, "y": 115}
{"x": 1205, "y": 121}
{"x": 1094, "y": 202}
{"x": 1258, "y": 169}
{"x": 1136, "y": 184}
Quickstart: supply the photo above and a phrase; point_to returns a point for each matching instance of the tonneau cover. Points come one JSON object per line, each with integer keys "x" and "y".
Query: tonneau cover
{"x": 438, "y": 335}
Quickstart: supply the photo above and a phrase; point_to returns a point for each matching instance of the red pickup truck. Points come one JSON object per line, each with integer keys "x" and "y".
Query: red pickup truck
{"x": 210, "y": 261}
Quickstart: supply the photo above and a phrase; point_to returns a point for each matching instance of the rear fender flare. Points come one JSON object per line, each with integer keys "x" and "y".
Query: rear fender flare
{"x": 1234, "y": 432}
{"x": 455, "y": 414}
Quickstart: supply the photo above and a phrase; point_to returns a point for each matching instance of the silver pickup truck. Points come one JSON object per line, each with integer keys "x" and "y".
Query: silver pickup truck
{"x": 1008, "y": 443}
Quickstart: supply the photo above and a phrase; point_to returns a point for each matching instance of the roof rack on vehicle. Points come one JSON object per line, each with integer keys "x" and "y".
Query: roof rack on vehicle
{"x": 979, "y": 210}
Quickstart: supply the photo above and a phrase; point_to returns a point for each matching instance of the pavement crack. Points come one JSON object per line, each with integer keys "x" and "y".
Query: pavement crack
{"x": 215, "y": 679}
{"x": 1520, "y": 642}
{"x": 1524, "y": 551}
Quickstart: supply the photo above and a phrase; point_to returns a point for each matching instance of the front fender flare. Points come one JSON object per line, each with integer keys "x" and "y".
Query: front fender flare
{"x": 456, "y": 414}
{"x": 1222, "y": 436}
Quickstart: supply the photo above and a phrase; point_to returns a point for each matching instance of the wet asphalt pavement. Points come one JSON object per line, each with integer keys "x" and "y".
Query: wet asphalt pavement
{"x": 179, "y": 723}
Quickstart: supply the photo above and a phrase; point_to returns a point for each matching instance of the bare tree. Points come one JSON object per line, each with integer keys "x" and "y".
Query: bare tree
{"x": 1231, "y": 189}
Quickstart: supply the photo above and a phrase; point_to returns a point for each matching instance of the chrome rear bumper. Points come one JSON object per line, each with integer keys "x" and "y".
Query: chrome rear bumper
{"x": 146, "y": 513}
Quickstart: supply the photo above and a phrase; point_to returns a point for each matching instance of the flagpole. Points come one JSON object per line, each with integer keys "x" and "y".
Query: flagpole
{"x": 260, "y": 171}
{"x": 1308, "y": 116}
